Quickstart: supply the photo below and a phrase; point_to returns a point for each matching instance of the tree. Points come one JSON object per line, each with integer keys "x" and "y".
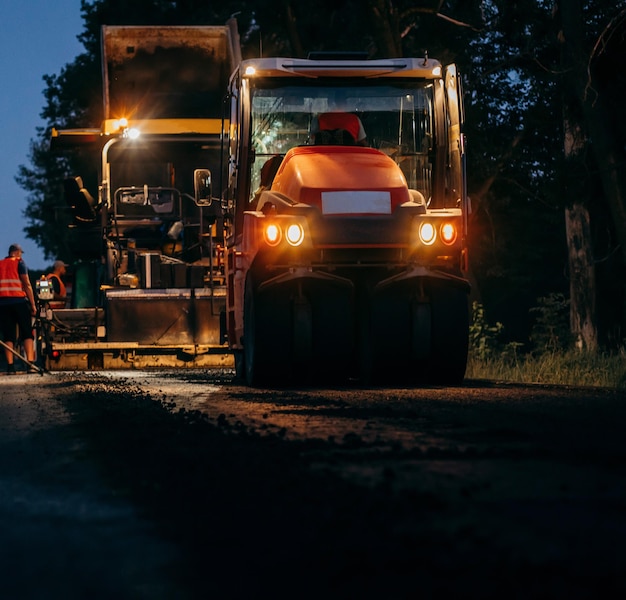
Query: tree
{"x": 604, "y": 94}
{"x": 594, "y": 154}
{"x": 582, "y": 276}
{"x": 517, "y": 237}
{"x": 508, "y": 55}
{"x": 74, "y": 97}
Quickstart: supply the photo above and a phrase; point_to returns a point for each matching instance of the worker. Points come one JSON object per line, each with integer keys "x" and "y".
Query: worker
{"x": 326, "y": 126}
{"x": 59, "y": 269}
{"x": 17, "y": 307}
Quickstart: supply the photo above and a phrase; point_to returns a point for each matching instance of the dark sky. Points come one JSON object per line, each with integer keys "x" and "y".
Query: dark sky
{"x": 37, "y": 38}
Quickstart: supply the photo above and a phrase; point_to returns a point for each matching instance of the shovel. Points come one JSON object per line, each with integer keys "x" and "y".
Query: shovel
{"x": 30, "y": 364}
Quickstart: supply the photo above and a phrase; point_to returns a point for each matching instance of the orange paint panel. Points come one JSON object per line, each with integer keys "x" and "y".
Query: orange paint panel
{"x": 307, "y": 171}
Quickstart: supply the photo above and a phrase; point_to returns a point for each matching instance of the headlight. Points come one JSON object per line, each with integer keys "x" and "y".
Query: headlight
{"x": 282, "y": 231}
{"x": 272, "y": 234}
{"x": 427, "y": 234}
{"x": 294, "y": 234}
{"x": 132, "y": 133}
{"x": 448, "y": 233}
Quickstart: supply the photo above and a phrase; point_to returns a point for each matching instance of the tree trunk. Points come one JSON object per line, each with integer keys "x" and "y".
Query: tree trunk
{"x": 582, "y": 278}
{"x": 292, "y": 31}
{"x": 611, "y": 168}
{"x": 576, "y": 182}
{"x": 386, "y": 27}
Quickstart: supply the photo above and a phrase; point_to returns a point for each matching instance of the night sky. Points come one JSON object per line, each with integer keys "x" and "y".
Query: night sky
{"x": 37, "y": 38}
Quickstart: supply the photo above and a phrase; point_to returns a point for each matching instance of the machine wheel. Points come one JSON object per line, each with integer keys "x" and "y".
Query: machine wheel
{"x": 267, "y": 352}
{"x": 302, "y": 339}
{"x": 394, "y": 336}
{"x": 240, "y": 373}
{"x": 419, "y": 338}
{"x": 365, "y": 350}
{"x": 332, "y": 333}
{"x": 250, "y": 357}
{"x": 42, "y": 343}
{"x": 450, "y": 336}
{"x": 421, "y": 330}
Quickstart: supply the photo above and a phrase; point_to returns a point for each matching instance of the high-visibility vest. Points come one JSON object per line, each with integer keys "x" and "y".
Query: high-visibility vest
{"x": 340, "y": 120}
{"x": 57, "y": 302}
{"x": 10, "y": 282}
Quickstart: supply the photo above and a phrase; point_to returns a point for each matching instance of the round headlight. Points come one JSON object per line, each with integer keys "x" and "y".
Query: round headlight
{"x": 295, "y": 234}
{"x": 448, "y": 233}
{"x": 272, "y": 234}
{"x": 133, "y": 133}
{"x": 427, "y": 233}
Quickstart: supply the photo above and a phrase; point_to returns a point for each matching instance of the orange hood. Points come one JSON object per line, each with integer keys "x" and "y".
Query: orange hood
{"x": 342, "y": 179}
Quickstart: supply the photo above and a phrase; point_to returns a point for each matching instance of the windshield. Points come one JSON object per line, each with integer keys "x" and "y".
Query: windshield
{"x": 395, "y": 118}
{"x": 149, "y": 177}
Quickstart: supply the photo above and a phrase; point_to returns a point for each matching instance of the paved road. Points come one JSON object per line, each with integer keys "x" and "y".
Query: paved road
{"x": 66, "y": 533}
{"x": 185, "y": 485}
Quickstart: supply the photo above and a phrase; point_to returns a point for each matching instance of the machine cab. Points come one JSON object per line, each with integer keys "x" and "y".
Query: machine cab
{"x": 407, "y": 109}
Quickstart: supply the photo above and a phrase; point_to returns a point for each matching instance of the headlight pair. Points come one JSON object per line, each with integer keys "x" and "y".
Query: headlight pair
{"x": 292, "y": 233}
{"x": 447, "y": 232}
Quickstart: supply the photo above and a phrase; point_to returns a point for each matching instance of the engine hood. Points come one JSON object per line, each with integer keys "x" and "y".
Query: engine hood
{"x": 342, "y": 180}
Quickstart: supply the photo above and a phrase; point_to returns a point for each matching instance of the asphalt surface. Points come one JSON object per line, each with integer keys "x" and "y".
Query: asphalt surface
{"x": 186, "y": 485}
{"x": 66, "y": 533}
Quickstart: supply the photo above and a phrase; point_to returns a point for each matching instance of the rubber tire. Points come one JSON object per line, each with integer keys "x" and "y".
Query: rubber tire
{"x": 450, "y": 336}
{"x": 267, "y": 331}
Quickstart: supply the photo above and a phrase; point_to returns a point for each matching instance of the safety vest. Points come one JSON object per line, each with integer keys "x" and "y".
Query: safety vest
{"x": 340, "y": 120}
{"x": 10, "y": 283}
{"x": 57, "y": 302}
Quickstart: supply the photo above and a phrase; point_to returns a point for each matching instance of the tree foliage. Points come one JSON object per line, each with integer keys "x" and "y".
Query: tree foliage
{"x": 509, "y": 54}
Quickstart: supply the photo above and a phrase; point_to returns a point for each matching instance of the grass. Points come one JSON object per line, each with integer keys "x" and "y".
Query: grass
{"x": 569, "y": 367}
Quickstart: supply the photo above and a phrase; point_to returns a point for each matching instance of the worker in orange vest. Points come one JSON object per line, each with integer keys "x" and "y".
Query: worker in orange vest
{"x": 17, "y": 306}
{"x": 60, "y": 292}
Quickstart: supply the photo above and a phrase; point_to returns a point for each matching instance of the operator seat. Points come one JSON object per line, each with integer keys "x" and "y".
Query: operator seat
{"x": 334, "y": 137}
{"x": 339, "y": 129}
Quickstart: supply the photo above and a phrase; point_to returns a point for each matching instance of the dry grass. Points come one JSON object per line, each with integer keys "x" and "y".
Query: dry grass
{"x": 560, "y": 368}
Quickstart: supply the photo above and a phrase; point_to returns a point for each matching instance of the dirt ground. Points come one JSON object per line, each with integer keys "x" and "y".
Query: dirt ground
{"x": 156, "y": 485}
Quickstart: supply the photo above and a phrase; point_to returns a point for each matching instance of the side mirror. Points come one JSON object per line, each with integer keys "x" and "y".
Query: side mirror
{"x": 202, "y": 187}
